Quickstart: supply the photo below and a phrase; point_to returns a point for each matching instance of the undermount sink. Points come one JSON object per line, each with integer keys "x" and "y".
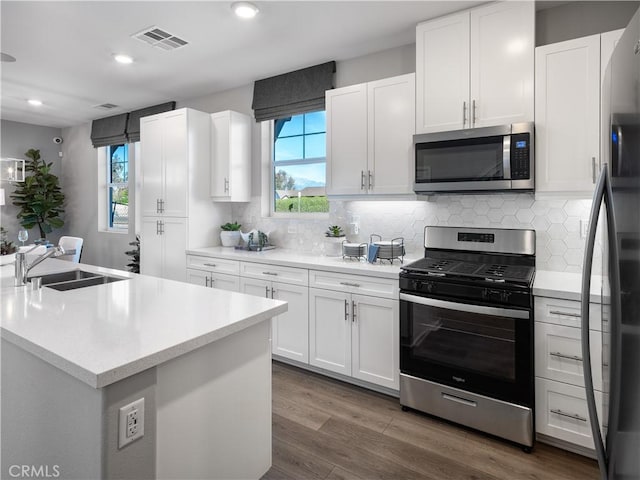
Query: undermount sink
{"x": 76, "y": 279}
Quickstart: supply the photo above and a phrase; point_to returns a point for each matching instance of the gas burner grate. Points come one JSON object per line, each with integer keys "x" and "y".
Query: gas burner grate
{"x": 438, "y": 265}
{"x": 496, "y": 270}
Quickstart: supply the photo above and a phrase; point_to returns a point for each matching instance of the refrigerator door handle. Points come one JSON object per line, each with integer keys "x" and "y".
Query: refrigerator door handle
{"x": 602, "y": 193}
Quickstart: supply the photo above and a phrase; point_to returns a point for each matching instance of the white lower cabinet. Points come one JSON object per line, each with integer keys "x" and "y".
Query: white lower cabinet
{"x": 213, "y": 280}
{"x": 561, "y": 404}
{"x": 289, "y": 331}
{"x": 355, "y": 335}
{"x": 164, "y": 240}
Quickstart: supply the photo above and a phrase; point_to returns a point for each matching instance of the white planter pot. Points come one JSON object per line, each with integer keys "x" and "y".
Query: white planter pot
{"x": 333, "y": 246}
{"x": 230, "y": 239}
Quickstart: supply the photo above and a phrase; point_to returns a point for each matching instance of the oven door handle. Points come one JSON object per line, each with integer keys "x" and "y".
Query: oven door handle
{"x": 463, "y": 307}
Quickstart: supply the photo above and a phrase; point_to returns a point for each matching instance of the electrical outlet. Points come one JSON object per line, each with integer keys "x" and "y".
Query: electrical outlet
{"x": 131, "y": 422}
{"x": 584, "y": 228}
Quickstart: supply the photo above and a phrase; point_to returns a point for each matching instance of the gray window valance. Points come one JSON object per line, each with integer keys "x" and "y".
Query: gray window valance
{"x": 133, "y": 125}
{"x": 109, "y": 131}
{"x": 292, "y": 93}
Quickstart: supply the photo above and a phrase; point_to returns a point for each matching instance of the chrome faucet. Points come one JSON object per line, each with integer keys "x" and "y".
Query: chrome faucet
{"x": 22, "y": 268}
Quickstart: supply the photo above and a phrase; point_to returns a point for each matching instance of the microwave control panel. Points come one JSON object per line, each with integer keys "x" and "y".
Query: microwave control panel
{"x": 520, "y": 156}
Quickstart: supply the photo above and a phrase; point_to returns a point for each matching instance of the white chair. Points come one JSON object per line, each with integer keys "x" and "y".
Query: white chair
{"x": 71, "y": 243}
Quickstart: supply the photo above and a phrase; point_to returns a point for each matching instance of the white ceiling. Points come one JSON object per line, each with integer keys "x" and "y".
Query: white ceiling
{"x": 64, "y": 49}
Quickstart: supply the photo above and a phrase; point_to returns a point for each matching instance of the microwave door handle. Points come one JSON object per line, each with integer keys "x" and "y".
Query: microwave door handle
{"x": 506, "y": 157}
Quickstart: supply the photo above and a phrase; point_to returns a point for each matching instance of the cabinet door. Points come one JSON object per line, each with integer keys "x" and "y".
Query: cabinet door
{"x": 198, "y": 277}
{"x": 330, "y": 330}
{"x": 442, "y": 74}
{"x": 290, "y": 330}
{"x": 221, "y": 281}
{"x": 502, "y": 61}
{"x": 151, "y": 249}
{"x": 375, "y": 341}
{"x": 174, "y": 245}
{"x": 259, "y": 288}
{"x": 176, "y": 163}
{"x": 151, "y": 161}
{"x": 346, "y": 110}
{"x": 391, "y": 112}
{"x": 568, "y": 115}
{"x": 220, "y": 134}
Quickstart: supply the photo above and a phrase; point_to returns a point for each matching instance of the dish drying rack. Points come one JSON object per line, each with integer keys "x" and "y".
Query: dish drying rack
{"x": 388, "y": 249}
{"x": 354, "y": 251}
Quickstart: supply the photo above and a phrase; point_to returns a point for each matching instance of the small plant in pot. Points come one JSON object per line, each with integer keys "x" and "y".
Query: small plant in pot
{"x": 334, "y": 231}
{"x": 333, "y": 242}
{"x": 230, "y": 234}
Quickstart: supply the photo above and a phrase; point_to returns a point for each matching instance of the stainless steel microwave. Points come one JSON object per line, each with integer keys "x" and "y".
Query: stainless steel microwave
{"x": 475, "y": 159}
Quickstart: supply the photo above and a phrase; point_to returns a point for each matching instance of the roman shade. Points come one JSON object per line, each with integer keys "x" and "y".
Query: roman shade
{"x": 133, "y": 124}
{"x": 109, "y": 131}
{"x": 292, "y": 93}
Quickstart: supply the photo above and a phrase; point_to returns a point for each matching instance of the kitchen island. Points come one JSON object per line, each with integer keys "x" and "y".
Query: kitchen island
{"x": 200, "y": 359}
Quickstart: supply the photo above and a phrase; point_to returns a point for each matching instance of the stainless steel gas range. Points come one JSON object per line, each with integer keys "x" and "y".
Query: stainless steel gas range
{"x": 466, "y": 330}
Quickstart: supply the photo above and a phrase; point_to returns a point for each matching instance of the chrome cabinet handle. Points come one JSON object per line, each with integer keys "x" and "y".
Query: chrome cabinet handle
{"x": 565, "y": 314}
{"x": 266, "y": 292}
{"x": 273, "y": 292}
{"x": 353, "y": 312}
{"x": 157, "y": 205}
{"x": 349, "y": 284}
{"x": 370, "y": 184}
{"x": 569, "y": 357}
{"x": 157, "y": 227}
{"x": 346, "y": 310}
{"x": 574, "y": 416}
{"x": 206, "y": 281}
{"x": 593, "y": 169}
{"x": 210, "y": 265}
{"x": 361, "y": 179}
{"x": 226, "y": 185}
{"x": 270, "y": 273}
{"x": 161, "y": 227}
{"x": 473, "y": 113}
{"x": 464, "y": 113}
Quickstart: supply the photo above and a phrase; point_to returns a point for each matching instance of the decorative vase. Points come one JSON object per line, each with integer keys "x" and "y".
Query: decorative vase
{"x": 230, "y": 238}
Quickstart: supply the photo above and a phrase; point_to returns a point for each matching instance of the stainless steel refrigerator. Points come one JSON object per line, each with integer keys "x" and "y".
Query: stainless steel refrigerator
{"x": 616, "y": 206}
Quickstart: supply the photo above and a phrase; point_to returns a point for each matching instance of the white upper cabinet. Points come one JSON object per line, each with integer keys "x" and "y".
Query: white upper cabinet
{"x": 173, "y": 147}
{"x": 568, "y": 100}
{"x": 475, "y": 68}
{"x": 370, "y": 137}
{"x": 230, "y": 156}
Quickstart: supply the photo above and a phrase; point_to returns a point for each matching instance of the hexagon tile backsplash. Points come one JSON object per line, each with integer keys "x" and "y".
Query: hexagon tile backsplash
{"x": 557, "y": 222}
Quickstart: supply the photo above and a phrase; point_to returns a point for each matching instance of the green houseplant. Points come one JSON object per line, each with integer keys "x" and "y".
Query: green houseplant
{"x": 39, "y": 197}
{"x": 230, "y": 234}
{"x": 334, "y": 231}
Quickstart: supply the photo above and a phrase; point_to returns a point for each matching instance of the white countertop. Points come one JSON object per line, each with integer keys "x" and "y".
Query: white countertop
{"x": 565, "y": 285}
{"x": 105, "y": 333}
{"x": 293, "y": 258}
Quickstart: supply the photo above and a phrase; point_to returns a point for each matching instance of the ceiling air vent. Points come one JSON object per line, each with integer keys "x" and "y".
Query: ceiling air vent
{"x": 159, "y": 38}
{"x": 106, "y": 106}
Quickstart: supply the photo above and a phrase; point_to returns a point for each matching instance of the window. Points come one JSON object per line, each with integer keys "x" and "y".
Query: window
{"x": 299, "y": 164}
{"x": 118, "y": 187}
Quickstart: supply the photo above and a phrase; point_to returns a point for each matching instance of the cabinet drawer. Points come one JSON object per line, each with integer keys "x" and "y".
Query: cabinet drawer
{"x": 374, "y": 286}
{"x": 559, "y": 354}
{"x": 566, "y": 312}
{"x": 297, "y": 276}
{"x": 561, "y": 412}
{"x": 211, "y": 264}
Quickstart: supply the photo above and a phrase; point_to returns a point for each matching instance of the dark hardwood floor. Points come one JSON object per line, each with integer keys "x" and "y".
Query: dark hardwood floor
{"x": 326, "y": 429}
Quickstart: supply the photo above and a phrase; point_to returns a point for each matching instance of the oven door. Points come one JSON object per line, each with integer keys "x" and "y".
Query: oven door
{"x": 482, "y": 349}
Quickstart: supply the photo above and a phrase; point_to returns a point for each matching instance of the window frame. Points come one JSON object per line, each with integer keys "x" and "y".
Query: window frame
{"x": 104, "y": 188}
{"x": 110, "y": 185}
{"x": 268, "y": 177}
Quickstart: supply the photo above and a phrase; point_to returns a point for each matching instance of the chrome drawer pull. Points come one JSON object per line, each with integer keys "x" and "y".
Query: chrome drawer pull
{"x": 210, "y": 265}
{"x": 270, "y": 273}
{"x": 346, "y": 310}
{"x": 349, "y": 284}
{"x": 566, "y": 314}
{"x": 574, "y": 416}
{"x": 463, "y": 401}
{"x": 562, "y": 355}
{"x": 353, "y": 311}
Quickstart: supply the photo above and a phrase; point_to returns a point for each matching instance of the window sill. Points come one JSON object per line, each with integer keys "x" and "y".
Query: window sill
{"x": 297, "y": 216}
{"x": 114, "y": 230}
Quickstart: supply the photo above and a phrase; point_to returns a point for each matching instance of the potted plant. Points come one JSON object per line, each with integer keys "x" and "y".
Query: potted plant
{"x": 39, "y": 197}
{"x": 230, "y": 234}
{"x": 333, "y": 242}
{"x": 7, "y": 248}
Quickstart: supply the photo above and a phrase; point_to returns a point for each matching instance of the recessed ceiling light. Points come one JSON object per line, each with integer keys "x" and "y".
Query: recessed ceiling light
{"x": 124, "y": 59}
{"x": 244, "y": 9}
{"x": 34, "y": 102}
